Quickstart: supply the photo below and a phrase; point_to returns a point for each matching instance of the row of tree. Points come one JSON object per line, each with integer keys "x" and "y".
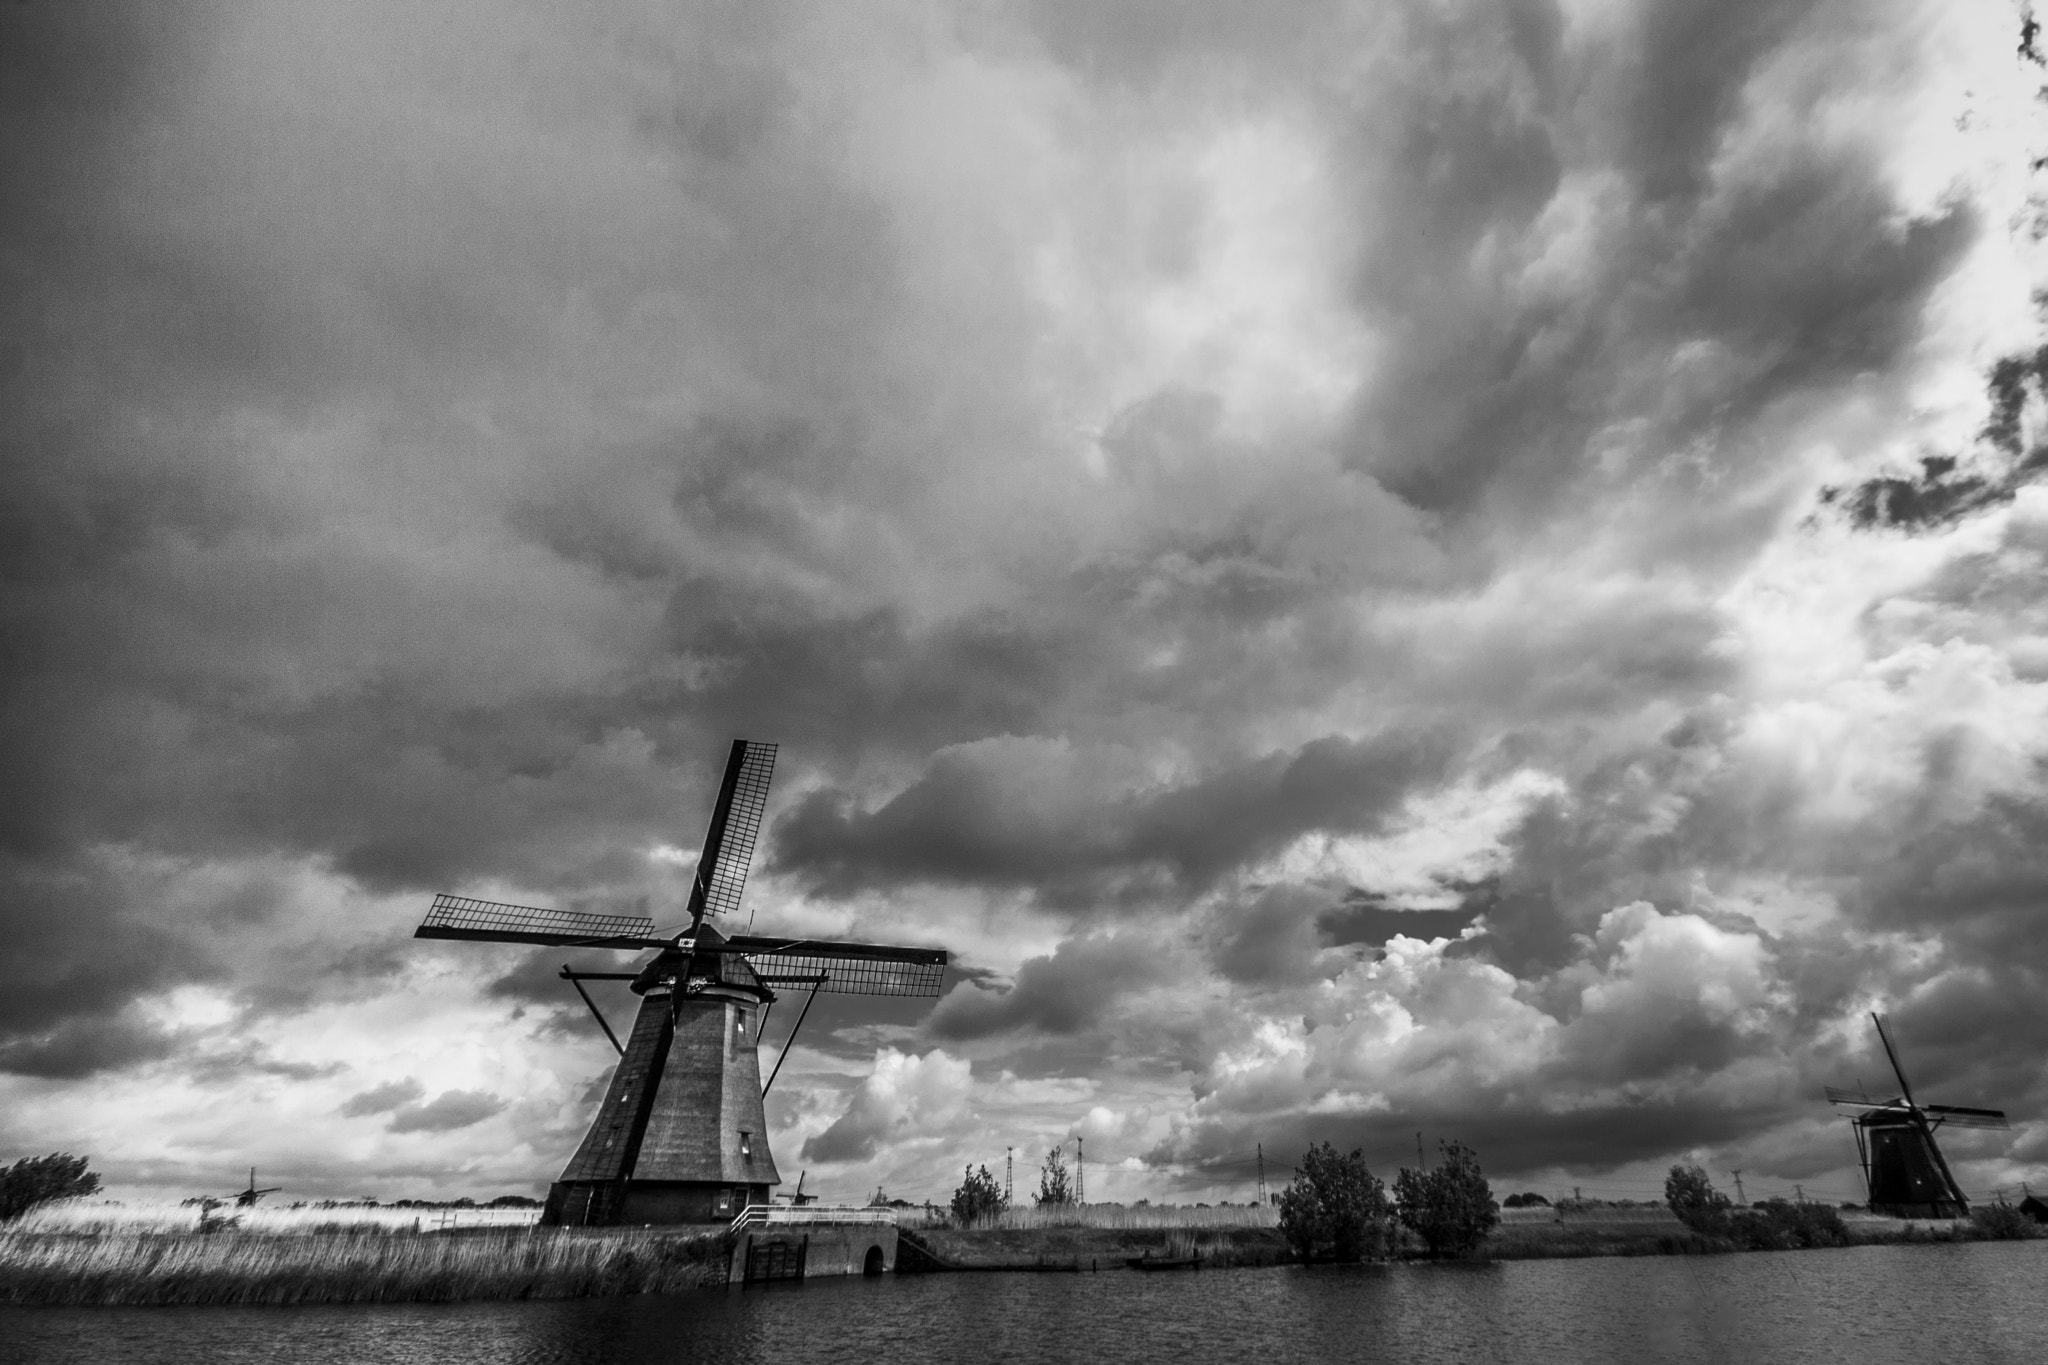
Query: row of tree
{"x": 1335, "y": 1209}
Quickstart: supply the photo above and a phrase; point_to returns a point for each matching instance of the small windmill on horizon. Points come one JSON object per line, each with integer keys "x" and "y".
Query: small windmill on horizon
{"x": 681, "y": 1135}
{"x": 1903, "y": 1168}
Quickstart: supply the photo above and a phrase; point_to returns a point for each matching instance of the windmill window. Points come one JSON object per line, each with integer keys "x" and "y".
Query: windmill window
{"x": 746, "y": 1145}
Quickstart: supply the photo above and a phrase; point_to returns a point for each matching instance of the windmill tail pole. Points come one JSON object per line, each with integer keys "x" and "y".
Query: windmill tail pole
{"x": 790, "y": 1041}
{"x": 610, "y": 1037}
{"x": 1884, "y": 1036}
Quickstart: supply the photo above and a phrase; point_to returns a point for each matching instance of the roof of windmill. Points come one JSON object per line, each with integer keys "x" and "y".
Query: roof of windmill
{"x": 729, "y": 969}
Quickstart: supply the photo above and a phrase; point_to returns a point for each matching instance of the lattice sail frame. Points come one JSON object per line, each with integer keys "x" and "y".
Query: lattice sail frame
{"x": 735, "y": 824}
{"x": 845, "y": 968}
{"x": 849, "y": 975}
{"x": 466, "y": 916}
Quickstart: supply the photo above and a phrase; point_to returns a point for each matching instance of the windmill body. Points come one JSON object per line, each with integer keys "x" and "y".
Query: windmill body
{"x": 682, "y": 1133}
{"x": 1903, "y": 1167}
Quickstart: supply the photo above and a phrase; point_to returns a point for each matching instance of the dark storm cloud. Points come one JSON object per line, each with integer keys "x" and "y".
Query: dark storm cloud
{"x": 1942, "y": 494}
{"x": 382, "y": 1098}
{"x": 80, "y": 1046}
{"x": 446, "y": 1112}
{"x": 1061, "y": 994}
{"x": 1007, "y": 814}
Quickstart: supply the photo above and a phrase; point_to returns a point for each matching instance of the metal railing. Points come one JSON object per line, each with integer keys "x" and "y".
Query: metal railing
{"x": 810, "y": 1215}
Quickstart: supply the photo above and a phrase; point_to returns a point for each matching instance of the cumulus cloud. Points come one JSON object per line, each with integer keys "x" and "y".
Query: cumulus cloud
{"x": 904, "y": 1096}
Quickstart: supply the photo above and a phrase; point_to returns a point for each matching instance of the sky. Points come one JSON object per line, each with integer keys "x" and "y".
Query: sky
{"x": 1376, "y": 573}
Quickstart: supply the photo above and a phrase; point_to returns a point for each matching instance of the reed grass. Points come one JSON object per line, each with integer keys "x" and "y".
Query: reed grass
{"x": 358, "y": 1265}
{"x": 104, "y": 1217}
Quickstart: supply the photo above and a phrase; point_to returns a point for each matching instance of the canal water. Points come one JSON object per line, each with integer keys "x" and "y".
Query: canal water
{"x": 1871, "y": 1305}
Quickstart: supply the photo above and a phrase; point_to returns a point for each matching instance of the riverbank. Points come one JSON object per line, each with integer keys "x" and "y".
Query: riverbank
{"x": 361, "y": 1264}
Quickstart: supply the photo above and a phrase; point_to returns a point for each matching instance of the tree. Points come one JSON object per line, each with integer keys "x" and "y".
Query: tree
{"x": 35, "y": 1180}
{"x": 978, "y": 1198}
{"x": 1053, "y": 1185}
{"x": 1450, "y": 1208}
{"x": 1335, "y": 1208}
{"x": 1694, "y": 1199}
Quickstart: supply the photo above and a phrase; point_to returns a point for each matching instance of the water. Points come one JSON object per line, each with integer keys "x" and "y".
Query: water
{"x": 1874, "y": 1305}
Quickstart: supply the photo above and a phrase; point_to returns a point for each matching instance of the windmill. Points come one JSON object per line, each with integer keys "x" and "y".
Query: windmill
{"x": 681, "y": 1136}
{"x": 1904, "y": 1169}
{"x": 246, "y": 1199}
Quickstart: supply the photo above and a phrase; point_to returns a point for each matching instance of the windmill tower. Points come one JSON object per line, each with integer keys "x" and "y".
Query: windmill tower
{"x": 681, "y": 1136}
{"x": 1902, "y": 1166}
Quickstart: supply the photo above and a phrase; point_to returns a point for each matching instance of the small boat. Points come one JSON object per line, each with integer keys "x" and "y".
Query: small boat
{"x": 1150, "y": 1262}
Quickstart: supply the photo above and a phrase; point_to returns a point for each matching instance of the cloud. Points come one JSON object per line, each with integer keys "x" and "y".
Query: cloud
{"x": 382, "y": 1098}
{"x": 1019, "y": 812}
{"x": 1299, "y": 548}
{"x": 446, "y": 1112}
{"x": 904, "y": 1093}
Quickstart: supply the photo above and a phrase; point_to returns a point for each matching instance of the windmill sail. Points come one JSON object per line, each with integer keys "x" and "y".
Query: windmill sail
{"x": 1961, "y": 1116}
{"x": 735, "y": 821}
{"x": 465, "y": 917}
{"x": 845, "y": 968}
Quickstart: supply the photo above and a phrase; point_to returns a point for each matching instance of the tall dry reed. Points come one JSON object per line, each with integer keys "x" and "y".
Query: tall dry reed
{"x": 108, "y": 1216}
{"x": 353, "y": 1266}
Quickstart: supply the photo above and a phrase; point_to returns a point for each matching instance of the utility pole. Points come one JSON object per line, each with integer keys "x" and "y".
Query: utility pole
{"x": 1799, "y": 1193}
{"x": 1264, "y": 1198}
{"x": 1080, "y": 1173}
{"x": 1421, "y": 1162}
{"x": 1009, "y": 1165}
{"x": 1740, "y": 1198}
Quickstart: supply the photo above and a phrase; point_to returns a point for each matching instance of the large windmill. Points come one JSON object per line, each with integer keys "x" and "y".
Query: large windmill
{"x": 1904, "y": 1169}
{"x": 681, "y": 1136}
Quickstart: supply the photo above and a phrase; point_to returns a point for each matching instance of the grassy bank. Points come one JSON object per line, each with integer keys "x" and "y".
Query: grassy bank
{"x": 350, "y": 1266}
{"x": 1086, "y": 1247}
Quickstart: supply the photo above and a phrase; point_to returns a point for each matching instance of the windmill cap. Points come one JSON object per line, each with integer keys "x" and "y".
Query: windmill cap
{"x": 714, "y": 967}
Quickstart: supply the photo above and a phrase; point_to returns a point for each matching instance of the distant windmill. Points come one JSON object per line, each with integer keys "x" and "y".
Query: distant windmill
{"x": 246, "y": 1199}
{"x": 1903, "y": 1168}
{"x": 681, "y": 1136}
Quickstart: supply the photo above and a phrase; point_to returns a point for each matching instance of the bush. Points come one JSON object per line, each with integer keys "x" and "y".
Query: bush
{"x": 978, "y": 1198}
{"x": 1054, "y": 1187}
{"x": 35, "y": 1180}
{"x": 1776, "y": 1225}
{"x": 1528, "y": 1200}
{"x": 2000, "y": 1222}
{"x": 1450, "y": 1208}
{"x": 1696, "y": 1202}
{"x": 1335, "y": 1208}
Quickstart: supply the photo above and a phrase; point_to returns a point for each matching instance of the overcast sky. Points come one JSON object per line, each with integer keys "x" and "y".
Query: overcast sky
{"x": 1463, "y": 566}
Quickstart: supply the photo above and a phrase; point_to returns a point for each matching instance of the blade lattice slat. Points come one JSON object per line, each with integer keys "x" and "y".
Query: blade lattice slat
{"x": 466, "y": 914}
{"x": 733, "y": 830}
{"x": 852, "y": 975}
{"x": 1963, "y": 1116}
